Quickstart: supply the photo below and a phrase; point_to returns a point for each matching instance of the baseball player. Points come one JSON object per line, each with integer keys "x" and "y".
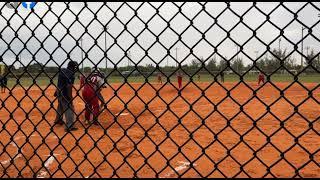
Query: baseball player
{"x": 179, "y": 76}
{"x": 222, "y": 76}
{"x": 91, "y": 89}
{"x": 2, "y": 84}
{"x": 82, "y": 83}
{"x": 159, "y": 78}
{"x": 260, "y": 78}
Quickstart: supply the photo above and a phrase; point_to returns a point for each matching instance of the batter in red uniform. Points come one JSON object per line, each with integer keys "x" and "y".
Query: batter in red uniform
{"x": 179, "y": 76}
{"x": 260, "y": 78}
{"x": 91, "y": 89}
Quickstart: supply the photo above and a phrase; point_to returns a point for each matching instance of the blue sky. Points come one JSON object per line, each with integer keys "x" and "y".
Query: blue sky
{"x": 214, "y": 34}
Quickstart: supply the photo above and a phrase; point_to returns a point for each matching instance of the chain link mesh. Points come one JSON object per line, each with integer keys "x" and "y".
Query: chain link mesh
{"x": 147, "y": 126}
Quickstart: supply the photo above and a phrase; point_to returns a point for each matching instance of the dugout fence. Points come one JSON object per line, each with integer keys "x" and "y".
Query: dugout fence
{"x": 147, "y": 129}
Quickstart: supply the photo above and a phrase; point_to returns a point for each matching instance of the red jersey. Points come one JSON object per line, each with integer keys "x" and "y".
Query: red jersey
{"x": 94, "y": 82}
{"x": 261, "y": 76}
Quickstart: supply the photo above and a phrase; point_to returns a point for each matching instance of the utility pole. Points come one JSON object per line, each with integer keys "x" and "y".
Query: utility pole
{"x": 279, "y": 44}
{"x": 237, "y": 59}
{"x": 177, "y": 55}
{"x": 257, "y": 55}
{"x": 20, "y": 60}
{"x": 302, "y": 28}
{"x": 318, "y": 55}
{"x": 105, "y": 48}
{"x": 128, "y": 59}
{"x": 82, "y": 55}
{"x": 308, "y": 54}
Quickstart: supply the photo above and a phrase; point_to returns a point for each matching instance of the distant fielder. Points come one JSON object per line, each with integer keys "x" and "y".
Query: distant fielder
{"x": 159, "y": 78}
{"x": 91, "y": 95}
{"x": 3, "y": 83}
{"x": 3, "y": 78}
{"x": 179, "y": 77}
{"x": 260, "y": 78}
{"x": 222, "y": 76}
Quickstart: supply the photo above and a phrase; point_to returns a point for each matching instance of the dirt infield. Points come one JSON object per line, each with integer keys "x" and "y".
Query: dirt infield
{"x": 146, "y": 139}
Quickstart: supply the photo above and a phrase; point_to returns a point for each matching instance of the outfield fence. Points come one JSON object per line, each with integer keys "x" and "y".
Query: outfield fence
{"x": 273, "y": 126}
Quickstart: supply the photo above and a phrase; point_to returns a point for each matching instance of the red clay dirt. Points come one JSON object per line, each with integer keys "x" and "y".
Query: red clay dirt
{"x": 147, "y": 138}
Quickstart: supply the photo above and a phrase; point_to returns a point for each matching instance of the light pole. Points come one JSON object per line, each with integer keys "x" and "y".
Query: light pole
{"x": 20, "y": 60}
{"x": 302, "y": 28}
{"x": 128, "y": 59}
{"x": 177, "y": 55}
{"x": 308, "y": 54}
{"x": 105, "y": 47}
{"x": 279, "y": 44}
{"x": 256, "y": 55}
{"x": 318, "y": 55}
{"x": 82, "y": 55}
{"x": 237, "y": 58}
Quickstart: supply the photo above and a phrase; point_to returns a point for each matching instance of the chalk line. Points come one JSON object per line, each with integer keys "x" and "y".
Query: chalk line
{"x": 13, "y": 144}
{"x": 16, "y": 154}
{"x": 7, "y": 161}
{"x": 49, "y": 161}
{"x": 183, "y": 166}
{"x": 44, "y": 173}
{"x": 122, "y": 114}
{"x": 53, "y": 155}
{"x": 19, "y": 155}
{"x": 21, "y": 137}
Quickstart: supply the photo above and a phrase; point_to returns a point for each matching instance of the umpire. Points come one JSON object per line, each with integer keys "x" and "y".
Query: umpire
{"x": 64, "y": 94}
{"x": 3, "y": 83}
{"x": 222, "y": 76}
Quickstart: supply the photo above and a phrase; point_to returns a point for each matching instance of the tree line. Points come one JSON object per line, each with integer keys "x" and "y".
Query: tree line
{"x": 277, "y": 60}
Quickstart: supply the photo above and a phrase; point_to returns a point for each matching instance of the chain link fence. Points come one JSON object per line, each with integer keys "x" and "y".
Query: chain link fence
{"x": 162, "y": 89}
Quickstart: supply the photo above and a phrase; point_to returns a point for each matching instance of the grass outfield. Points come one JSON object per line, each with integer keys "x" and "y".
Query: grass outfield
{"x": 44, "y": 81}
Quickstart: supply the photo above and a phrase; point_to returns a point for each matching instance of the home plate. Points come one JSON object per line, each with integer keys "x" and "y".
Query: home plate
{"x": 122, "y": 114}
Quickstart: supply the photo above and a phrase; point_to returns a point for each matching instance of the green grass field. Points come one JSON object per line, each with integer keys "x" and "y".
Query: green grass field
{"x": 45, "y": 81}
